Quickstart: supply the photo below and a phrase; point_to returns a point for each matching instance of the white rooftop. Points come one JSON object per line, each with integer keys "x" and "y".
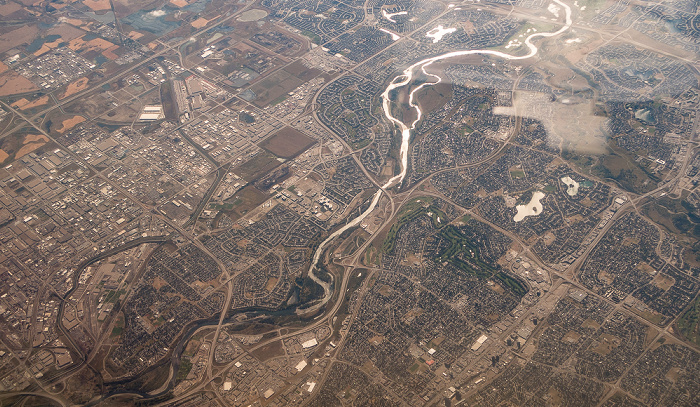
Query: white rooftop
{"x": 309, "y": 343}
{"x": 479, "y": 342}
{"x": 301, "y": 365}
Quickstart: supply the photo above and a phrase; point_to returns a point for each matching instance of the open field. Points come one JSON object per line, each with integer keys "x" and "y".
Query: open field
{"x": 287, "y": 143}
{"x": 257, "y": 166}
{"x": 20, "y": 36}
{"x": 31, "y": 143}
{"x": 689, "y": 323}
{"x": 24, "y": 104}
{"x": 433, "y": 97}
{"x": 75, "y": 87}
{"x": 9, "y": 8}
{"x": 274, "y": 87}
{"x": 626, "y": 171}
{"x": 12, "y": 83}
{"x": 19, "y": 144}
{"x": 269, "y": 351}
{"x": 97, "y": 5}
{"x": 243, "y": 202}
{"x": 301, "y": 71}
{"x": 70, "y": 123}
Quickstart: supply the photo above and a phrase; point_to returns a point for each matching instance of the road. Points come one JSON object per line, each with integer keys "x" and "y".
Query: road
{"x": 395, "y": 200}
{"x": 130, "y": 69}
{"x": 401, "y": 81}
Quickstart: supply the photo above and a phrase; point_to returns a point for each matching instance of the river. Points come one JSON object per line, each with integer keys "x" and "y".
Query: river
{"x": 400, "y": 81}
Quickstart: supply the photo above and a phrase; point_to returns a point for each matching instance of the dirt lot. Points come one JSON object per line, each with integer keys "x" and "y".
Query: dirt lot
{"x": 287, "y": 143}
{"x": 125, "y": 113}
{"x": 95, "y": 44}
{"x": 606, "y": 344}
{"x": 10, "y": 145}
{"x": 31, "y": 143}
{"x": 271, "y": 283}
{"x": 75, "y": 87}
{"x": 70, "y": 123}
{"x": 97, "y": 5}
{"x": 201, "y": 22}
{"x": 24, "y": 104}
{"x": 663, "y": 281}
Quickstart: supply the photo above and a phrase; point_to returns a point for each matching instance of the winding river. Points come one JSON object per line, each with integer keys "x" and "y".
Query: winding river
{"x": 400, "y": 81}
